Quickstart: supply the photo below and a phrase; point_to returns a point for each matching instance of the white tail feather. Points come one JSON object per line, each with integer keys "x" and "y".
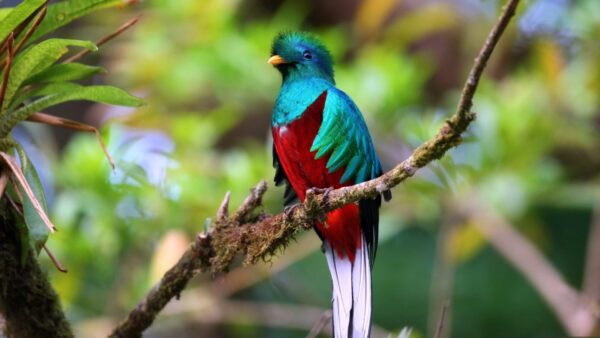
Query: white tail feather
{"x": 361, "y": 292}
{"x": 341, "y": 275}
{"x": 351, "y": 292}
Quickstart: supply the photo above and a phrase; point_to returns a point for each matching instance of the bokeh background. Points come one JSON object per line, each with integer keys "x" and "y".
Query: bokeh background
{"x": 529, "y": 166}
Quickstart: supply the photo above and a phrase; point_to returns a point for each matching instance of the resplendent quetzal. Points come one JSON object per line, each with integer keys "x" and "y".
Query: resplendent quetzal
{"x": 320, "y": 140}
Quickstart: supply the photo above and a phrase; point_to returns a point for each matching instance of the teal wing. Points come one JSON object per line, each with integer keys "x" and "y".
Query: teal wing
{"x": 344, "y": 135}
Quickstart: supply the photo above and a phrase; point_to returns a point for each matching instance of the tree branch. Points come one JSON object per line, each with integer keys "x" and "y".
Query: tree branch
{"x": 320, "y": 324}
{"x": 28, "y": 303}
{"x": 591, "y": 276}
{"x": 258, "y": 235}
{"x": 574, "y": 313}
{"x": 440, "y": 325}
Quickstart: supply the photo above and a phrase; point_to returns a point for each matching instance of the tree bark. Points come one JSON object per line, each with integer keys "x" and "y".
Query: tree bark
{"x": 28, "y": 303}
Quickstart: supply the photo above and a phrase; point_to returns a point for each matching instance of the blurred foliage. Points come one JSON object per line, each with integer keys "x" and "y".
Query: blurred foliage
{"x": 32, "y": 81}
{"x": 201, "y": 67}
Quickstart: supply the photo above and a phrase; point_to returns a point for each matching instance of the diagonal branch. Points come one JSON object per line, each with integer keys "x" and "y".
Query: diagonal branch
{"x": 17, "y": 31}
{"x": 320, "y": 324}
{"x": 573, "y": 312}
{"x": 9, "y": 57}
{"x": 259, "y": 237}
{"x": 70, "y": 124}
{"x": 11, "y": 162}
{"x": 104, "y": 39}
{"x": 448, "y": 137}
{"x": 31, "y": 29}
{"x": 591, "y": 281}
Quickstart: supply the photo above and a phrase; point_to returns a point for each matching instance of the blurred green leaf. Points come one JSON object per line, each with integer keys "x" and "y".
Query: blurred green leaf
{"x": 64, "y": 72}
{"x": 465, "y": 241}
{"x": 18, "y": 15}
{"x": 36, "y": 59}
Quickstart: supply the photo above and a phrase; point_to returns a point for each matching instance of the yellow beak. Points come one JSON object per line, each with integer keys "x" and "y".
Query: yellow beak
{"x": 276, "y": 60}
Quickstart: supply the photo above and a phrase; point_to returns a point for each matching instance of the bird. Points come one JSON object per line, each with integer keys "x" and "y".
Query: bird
{"x": 321, "y": 141}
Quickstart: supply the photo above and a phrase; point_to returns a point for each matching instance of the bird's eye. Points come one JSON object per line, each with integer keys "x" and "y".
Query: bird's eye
{"x": 307, "y": 55}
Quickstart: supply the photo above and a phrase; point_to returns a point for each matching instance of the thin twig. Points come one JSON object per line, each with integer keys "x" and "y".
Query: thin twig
{"x": 260, "y": 238}
{"x": 14, "y": 167}
{"x": 3, "y": 181}
{"x": 9, "y": 55}
{"x": 320, "y": 324}
{"x": 17, "y": 31}
{"x": 57, "y": 264}
{"x": 224, "y": 208}
{"x": 15, "y": 185}
{"x": 251, "y": 202}
{"x": 444, "y": 270}
{"x": 15, "y": 206}
{"x": 466, "y": 99}
{"x": 440, "y": 325}
{"x": 104, "y": 39}
{"x": 31, "y": 29}
{"x": 70, "y": 124}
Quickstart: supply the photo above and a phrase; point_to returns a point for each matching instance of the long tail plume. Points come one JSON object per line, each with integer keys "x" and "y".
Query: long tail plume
{"x": 351, "y": 292}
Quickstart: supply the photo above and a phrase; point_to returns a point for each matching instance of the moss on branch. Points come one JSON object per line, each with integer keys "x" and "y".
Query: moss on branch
{"x": 28, "y": 303}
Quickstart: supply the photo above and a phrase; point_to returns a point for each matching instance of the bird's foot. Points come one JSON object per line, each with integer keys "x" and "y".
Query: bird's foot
{"x": 289, "y": 210}
{"x": 324, "y": 191}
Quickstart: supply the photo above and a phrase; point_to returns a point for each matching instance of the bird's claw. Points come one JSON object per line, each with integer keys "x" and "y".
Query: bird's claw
{"x": 324, "y": 191}
{"x": 289, "y": 210}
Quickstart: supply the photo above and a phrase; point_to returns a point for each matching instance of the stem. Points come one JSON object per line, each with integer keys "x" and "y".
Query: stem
{"x": 31, "y": 30}
{"x": 104, "y": 40}
{"x": 9, "y": 43}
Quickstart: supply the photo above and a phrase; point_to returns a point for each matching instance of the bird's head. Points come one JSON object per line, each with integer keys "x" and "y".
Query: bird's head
{"x": 300, "y": 54}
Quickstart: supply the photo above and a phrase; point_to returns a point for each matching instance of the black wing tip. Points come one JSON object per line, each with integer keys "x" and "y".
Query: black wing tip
{"x": 369, "y": 220}
{"x": 289, "y": 196}
{"x": 387, "y": 195}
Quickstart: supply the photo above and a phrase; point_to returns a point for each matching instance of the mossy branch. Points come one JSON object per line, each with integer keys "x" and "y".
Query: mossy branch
{"x": 257, "y": 235}
{"x": 29, "y": 304}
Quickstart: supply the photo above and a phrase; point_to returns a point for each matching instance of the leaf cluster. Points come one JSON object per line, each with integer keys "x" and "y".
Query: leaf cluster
{"x": 33, "y": 79}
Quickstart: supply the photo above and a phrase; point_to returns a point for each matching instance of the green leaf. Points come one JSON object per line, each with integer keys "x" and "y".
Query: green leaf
{"x": 104, "y": 94}
{"x": 44, "y": 90}
{"x": 18, "y": 15}
{"x": 38, "y": 231}
{"x": 36, "y": 59}
{"x": 61, "y": 13}
{"x": 63, "y": 72}
{"x": 4, "y": 12}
